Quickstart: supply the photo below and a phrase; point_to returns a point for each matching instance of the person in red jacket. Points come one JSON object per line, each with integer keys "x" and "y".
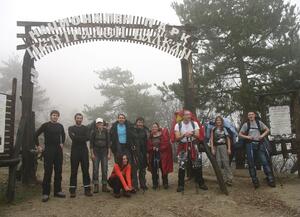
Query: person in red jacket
{"x": 120, "y": 178}
{"x": 159, "y": 155}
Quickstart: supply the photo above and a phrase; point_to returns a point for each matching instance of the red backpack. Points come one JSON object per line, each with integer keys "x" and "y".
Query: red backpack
{"x": 178, "y": 116}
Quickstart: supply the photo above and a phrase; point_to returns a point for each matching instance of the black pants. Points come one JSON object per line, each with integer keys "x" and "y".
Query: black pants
{"x": 125, "y": 149}
{"x": 196, "y": 172}
{"x": 138, "y": 170}
{"x": 195, "y": 168}
{"x": 53, "y": 157}
{"x": 156, "y": 166}
{"x": 79, "y": 155}
{"x": 116, "y": 184}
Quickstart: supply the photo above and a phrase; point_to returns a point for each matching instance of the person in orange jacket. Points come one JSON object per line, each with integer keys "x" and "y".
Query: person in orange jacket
{"x": 120, "y": 178}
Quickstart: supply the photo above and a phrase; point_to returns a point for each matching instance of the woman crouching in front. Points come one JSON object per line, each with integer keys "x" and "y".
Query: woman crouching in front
{"x": 120, "y": 178}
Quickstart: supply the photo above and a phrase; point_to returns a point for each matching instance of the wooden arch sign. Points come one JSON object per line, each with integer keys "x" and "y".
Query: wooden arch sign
{"x": 47, "y": 37}
{"x": 42, "y": 38}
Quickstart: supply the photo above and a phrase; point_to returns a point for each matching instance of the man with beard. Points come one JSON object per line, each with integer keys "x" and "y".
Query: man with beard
{"x": 79, "y": 135}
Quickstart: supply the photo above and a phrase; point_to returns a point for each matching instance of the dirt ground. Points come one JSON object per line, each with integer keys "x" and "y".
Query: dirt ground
{"x": 243, "y": 200}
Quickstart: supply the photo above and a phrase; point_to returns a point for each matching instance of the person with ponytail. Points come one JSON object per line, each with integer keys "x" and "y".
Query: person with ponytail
{"x": 120, "y": 178}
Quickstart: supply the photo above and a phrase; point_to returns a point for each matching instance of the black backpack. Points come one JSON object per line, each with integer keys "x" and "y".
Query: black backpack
{"x": 180, "y": 125}
{"x": 215, "y": 128}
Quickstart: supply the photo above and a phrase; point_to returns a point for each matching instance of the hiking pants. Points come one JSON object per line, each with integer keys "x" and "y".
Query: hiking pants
{"x": 116, "y": 184}
{"x": 223, "y": 162}
{"x": 79, "y": 155}
{"x": 53, "y": 158}
{"x": 196, "y": 168}
{"x": 256, "y": 151}
{"x": 100, "y": 158}
{"x": 156, "y": 166}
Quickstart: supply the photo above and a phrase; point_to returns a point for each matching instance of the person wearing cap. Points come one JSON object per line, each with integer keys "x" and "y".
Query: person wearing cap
{"x": 79, "y": 135}
{"x": 100, "y": 153}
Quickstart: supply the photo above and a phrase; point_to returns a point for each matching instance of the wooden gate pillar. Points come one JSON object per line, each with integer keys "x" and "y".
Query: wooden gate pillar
{"x": 189, "y": 103}
{"x": 188, "y": 84}
{"x": 28, "y": 159}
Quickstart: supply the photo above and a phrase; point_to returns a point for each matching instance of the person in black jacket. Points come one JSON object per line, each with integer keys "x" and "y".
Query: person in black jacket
{"x": 139, "y": 153}
{"x": 79, "y": 135}
{"x": 54, "y": 138}
{"x": 122, "y": 138}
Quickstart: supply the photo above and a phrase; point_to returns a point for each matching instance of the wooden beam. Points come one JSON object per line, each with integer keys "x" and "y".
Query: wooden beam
{"x": 31, "y": 23}
{"x": 137, "y": 25}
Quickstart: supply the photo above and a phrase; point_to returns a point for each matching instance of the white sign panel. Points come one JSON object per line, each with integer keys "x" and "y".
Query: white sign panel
{"x": 2, "y": 121}
{"x": 280, "y": 120}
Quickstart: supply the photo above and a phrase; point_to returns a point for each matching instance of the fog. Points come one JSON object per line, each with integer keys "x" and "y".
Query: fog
{"x": 68, "y": 74}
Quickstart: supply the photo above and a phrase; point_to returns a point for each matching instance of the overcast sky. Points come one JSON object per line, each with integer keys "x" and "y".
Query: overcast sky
{"x": 67, "y": 74}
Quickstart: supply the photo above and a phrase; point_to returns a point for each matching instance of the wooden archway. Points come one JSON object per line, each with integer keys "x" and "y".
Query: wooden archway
{"x": 42, "y": 38}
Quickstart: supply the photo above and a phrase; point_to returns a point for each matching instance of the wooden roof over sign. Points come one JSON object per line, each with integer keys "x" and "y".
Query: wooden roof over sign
{"x": 41, "y": 38}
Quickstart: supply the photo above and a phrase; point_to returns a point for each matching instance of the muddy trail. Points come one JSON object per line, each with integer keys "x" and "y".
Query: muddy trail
{"x": 243, "y": 200}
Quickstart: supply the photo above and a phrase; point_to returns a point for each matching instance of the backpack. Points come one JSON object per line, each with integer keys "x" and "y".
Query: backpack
{"x": 214, "y": 130}
{"x": 258, "y": 126}
{"x": 178, "y": 116}
{"x": 180, "y": 125}
{"x": 265, "y": 141}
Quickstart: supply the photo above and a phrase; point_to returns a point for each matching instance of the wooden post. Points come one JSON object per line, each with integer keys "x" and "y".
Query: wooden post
{"x": 189, "y": 103}
{"x": 28, "y": 162}
{"x": 188, "y": 84}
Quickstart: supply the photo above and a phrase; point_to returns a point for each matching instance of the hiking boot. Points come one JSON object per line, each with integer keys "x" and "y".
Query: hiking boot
{"x": 126, "y": 194}
{"x": 256, "y": 184}
{"x": 60, "y": 194}
{"x": 133, "y": 191}
{"x": 203, "y": 186}
{"x": 45, "y": 198}
{"x": 96, "y": 188}
{"x": 87, "y": 192}
{"x": 272, "y": 184}
{"x": 165, "y": 182}
{"x": 180, "y": 189}
{"x": 117, "y": 195}
{"x": 105, "y": 189}
{"x": 72, "y": 194}
{"x": 144, "y": 188}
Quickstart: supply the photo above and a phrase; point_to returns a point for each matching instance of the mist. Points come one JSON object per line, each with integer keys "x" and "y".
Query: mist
{"x": 68, "y": 74}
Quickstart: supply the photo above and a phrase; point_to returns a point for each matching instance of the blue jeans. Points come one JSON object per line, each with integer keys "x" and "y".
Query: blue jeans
{"x": 257, "y": 151}
{"x": 100, "y": 157}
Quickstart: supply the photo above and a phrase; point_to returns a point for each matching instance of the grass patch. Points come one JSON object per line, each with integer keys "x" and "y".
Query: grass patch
{"x": 22, "y": 192}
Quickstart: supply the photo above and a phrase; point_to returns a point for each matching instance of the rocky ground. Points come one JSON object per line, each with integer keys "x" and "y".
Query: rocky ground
{"x": 243, "y": 200}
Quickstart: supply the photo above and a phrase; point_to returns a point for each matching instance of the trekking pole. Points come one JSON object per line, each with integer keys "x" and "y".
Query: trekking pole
{"x": 272, "y": 168}
{"x": 197, "y": 155}
{"x": 183, "y": 162}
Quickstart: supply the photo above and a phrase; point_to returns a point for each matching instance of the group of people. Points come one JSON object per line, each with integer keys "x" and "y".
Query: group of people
{"x": 135, "y": 148}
